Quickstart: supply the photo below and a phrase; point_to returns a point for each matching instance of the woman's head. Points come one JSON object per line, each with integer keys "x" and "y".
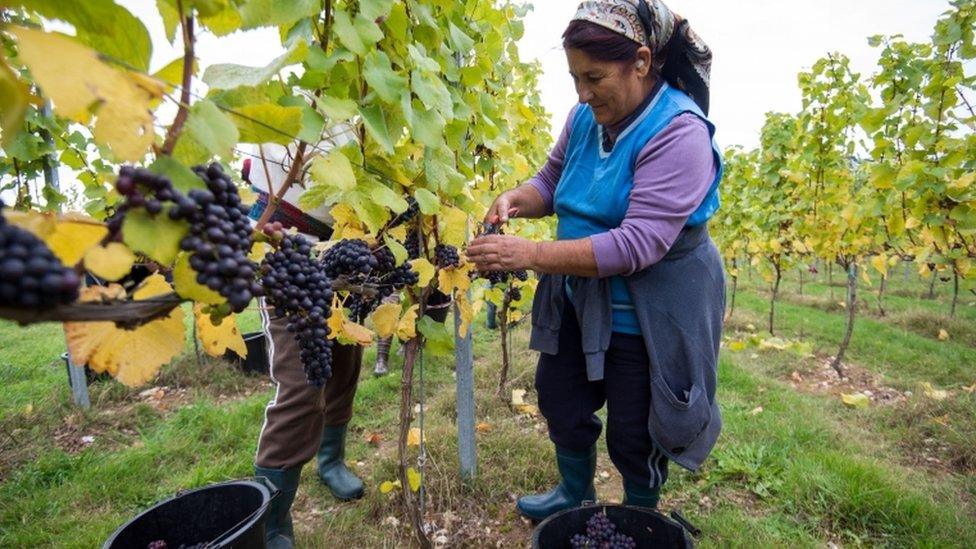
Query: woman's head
{"x": 612, "y": 73}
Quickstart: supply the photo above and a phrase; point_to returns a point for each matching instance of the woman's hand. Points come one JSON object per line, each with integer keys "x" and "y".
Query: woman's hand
{"x": 502, "y": 208}
{"x": 499, "y": 252}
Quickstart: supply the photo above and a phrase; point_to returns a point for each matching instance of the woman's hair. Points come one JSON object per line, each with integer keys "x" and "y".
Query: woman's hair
{"x": 599, "y": 42}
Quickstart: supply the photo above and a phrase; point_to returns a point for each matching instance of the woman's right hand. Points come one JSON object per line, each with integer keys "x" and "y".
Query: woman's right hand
{"x": 502, "y": 209}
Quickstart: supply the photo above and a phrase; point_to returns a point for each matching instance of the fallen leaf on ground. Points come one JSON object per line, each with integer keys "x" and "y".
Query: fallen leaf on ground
{"x": 756, "y": 411}
{"x": 484, "y": 427}
{"x": 933, "y": 393}
{"x": 856, "y": 400}
{"x": 943, "y": 335}
{"x": 518, "y": 397}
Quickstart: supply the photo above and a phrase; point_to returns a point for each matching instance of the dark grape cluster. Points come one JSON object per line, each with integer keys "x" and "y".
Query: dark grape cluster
{"x": 219, "y": 238}
{"x": 500, "y": 277}
{"x": 30, "y": 274}
{"x": 514, "y": 294}
{"x": 601, "y": 533}
{"x": 407, "y": 216}
{"x": 387, "y": 278}
{"x": 299, "y": 289}
{"x": 351, "y": 258}
{"x": 446, "y": 256}
{"x": 412, "y": 244}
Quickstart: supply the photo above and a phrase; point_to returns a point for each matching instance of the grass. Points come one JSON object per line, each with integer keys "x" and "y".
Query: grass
{"x": 793, "y": 467}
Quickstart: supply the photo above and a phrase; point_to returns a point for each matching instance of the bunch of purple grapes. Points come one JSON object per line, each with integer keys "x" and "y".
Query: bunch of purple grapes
{"x": 219, "y": 239}
{"x": 300, "y": 290}
{"x": 446, "y": 256}
{"x": 30, "y": 274}
{"x": 601, "y": 533}
{"x": 501, "y": 277}
{"x": 386, "y": 277}
{"x": 351, "y": 258}
{"x": 161, "y": 544}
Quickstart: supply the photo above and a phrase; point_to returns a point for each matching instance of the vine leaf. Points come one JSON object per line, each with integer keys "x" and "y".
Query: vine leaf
{"x": 258, "y": 120}
{"x": 13, "y": 96}
{"x": 69, "y": 237}
{"x": 218, "y": 338}
{"x": 131, "y": 356}
{"x": 334, "y": 171}
{"x": 155, "y": 236}
{"x": 455, "y": 278}
{"x": 407, "y": 326}
{"x": 381, "y": 77}
{"x": 346, "y": 331}
{"x": 385, "y": 319}
{"x": 423, "y": 268}
{"x": 466, "y": 313}
{"x": 76, "y": 80}
{"x": 110, "y": 262}
{"x": 185, "y": 281}
{"x": 413, "y": 477}
{"x": 212, "y": 129}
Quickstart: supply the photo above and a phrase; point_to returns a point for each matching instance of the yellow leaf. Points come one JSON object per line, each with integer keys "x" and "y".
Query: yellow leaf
{"x": 483, "y": 427}
{"x": 423, "y": 268}
{"x": 943, "y": 335}
{"x": 880, "y": 264}
{"x": 15, "y": 95}
{"x": 527, "y": 409}
{"x": 71, "y": 240}
{"x": 216, "y": 339}
{"x": 76, "y": 80}
{"x": 353, "y": 333}
{"x": 453, "y": 223}
{"x": 386, "y": 486}
{"x": 413, "y": 477}
{"x": 465, "y": 312}
{"x": 385, "y": 319}
{"x": 856, "y": 400}
{"x": 336, "y": 318}
{"x": 518, "y": 397}
{"x": 38, "y": 224}
{"x": 110, "y": 262}
{"x": 347, "y": 223}
{"x": 737, "y": 345}
{"x": 258, "y": 251}
{"x": 514, "y": 315}
{"x": 131, "y": 356}
{"x": 413, "y": 436}
{"x": 933, "y": 393}
{"x": 455, "y": 278}
{"x": 185, "y": 280}
{"x": 407, "y": 327}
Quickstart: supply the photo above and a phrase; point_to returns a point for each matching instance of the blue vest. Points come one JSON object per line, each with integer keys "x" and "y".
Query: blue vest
{"x": 593, "y": 192}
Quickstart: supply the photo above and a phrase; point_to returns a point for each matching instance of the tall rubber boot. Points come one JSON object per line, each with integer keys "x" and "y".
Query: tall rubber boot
{"x": 332, "y": 466}
{"x": 576, "y": 470}
{"x": 278, "y": 527}
{"x": 641, "y": 496}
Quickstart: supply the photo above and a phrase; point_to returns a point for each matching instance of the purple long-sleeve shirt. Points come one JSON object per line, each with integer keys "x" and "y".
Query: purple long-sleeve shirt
{"x": 672, "y": 175}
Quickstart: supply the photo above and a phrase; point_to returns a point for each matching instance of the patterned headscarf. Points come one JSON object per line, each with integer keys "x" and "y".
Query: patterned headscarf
{"x": 679, "y": 54}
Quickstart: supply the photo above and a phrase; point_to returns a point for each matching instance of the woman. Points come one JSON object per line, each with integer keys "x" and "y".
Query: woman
{"x": 628, "y": 310}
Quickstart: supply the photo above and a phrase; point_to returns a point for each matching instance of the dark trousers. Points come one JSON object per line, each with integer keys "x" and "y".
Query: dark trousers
{"x": 569, "y": 402}
{"x": 294, "y": 419}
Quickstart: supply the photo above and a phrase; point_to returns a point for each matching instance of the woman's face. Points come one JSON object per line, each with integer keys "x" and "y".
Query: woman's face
{"x": 612, "y": 89}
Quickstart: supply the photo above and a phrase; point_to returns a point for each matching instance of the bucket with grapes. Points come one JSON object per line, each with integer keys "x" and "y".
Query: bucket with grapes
{"x": 612, "y": 527}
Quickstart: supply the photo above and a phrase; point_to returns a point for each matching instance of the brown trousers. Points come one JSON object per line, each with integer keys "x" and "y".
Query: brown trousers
{"x": 295, "y": 417}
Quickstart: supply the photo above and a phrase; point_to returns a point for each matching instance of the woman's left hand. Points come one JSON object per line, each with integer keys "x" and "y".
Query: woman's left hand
{"x": 500, "y": 252}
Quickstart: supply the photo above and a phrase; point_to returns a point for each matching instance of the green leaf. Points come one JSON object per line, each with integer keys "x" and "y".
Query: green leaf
{"x": 348, "y": 34}
{"x": 268, "y": 123}
{"x": 433, "y": 93}
{"x": 333, "y": 170}
{"x": 171, "y": 18}
{"x": 375, "y": 9}
{"x": 386, "y": 197}
{"x": 183, "y": 178}
{"x": 276, "y": 13}
{"x": 338, "y": 110}
{"x": 371, "y": 213}
{"x": 101, "y": 24}
{"x": 397, "y": 249}
{"x": 428, "y": 201}
{"x": 381, "y": 77}
{"x": 440, "y": 340}
{"x": 225, "y": 76}
{"x": 376, "y": 126}
{"x": 213, "y": 129}
{"x": 157, "y": 237}
{"x": 427, "y": 126}
{"x": 461, "y": 42}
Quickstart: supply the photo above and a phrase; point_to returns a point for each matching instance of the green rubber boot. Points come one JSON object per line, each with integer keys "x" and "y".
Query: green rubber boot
{"x": 576, "y": 469}
{"x": 641, "y": 496}
{"x": 332, "y": 466}
{"x": 278, "y": 530}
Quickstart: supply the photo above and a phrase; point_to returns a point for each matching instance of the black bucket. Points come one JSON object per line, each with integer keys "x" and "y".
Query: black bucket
{"x": 438, "y": 304}
{"x": 650, "y": 529}
{"x": 228, "y": 515}
{"x": 257, "y": 354}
